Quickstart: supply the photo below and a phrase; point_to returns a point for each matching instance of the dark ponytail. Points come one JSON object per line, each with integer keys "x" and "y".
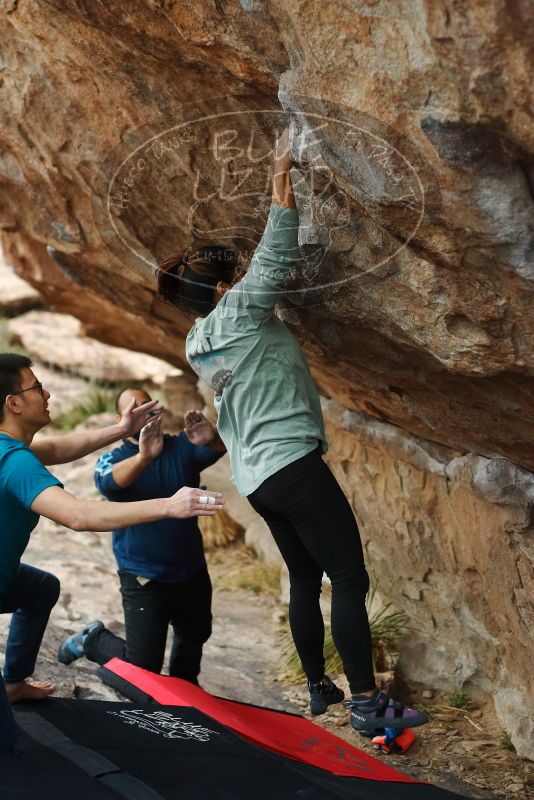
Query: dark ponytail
{"x": 188, "y": 281}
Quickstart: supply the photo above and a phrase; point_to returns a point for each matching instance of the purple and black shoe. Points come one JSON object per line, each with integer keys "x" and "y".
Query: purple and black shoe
{"x": 370, "y": 715}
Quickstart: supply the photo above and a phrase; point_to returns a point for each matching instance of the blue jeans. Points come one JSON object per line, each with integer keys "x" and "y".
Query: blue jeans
{"x": 30, "y": 596}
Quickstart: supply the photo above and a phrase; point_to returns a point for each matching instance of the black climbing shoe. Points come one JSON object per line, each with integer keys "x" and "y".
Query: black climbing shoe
{"x": 73, "y": 647}
{"x": 323, "y": 695}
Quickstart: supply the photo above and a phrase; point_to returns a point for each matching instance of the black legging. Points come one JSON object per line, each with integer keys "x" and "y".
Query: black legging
{"x": 315, "y": 530}
{"x": 148, "y": 612}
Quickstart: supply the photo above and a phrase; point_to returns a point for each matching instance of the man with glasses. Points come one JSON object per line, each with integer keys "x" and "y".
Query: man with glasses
{"x": 28, "y": 489}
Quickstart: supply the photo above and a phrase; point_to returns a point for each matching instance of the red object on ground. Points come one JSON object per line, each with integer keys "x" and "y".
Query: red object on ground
{"x": 400, "y": 743}
{"x": 285, "y": 734}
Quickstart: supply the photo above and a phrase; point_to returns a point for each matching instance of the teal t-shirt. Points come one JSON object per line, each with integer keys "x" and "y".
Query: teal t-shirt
{"x": 269, "y": 411}
{"x": 22, "y": 478}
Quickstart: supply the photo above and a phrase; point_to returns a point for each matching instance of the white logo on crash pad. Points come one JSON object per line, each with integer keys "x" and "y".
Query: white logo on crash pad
{"x": 165, "y": 724}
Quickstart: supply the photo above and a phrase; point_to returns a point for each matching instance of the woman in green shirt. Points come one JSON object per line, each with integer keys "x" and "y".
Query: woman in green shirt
{"x": 270, "y": 419}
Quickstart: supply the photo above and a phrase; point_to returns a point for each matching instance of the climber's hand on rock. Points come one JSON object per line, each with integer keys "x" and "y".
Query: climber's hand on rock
{"x": 282, "y": 152}
{"x": 282, "y": 187}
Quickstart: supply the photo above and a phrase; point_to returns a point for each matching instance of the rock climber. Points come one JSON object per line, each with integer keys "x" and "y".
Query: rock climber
{"x": 270, "y": 419}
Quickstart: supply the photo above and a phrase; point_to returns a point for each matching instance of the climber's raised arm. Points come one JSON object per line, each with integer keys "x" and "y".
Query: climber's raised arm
{"x": 253, "y": 298}
{"x": 206, "y": 280}
{"x": 282, "y": 187}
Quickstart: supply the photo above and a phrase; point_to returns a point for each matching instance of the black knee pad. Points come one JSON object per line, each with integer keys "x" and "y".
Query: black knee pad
{"x": 52, "y": 588}
{"x": 203, "y": 634}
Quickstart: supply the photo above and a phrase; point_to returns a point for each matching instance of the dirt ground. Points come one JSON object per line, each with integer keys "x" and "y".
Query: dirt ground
{"x": 459, "y": 749}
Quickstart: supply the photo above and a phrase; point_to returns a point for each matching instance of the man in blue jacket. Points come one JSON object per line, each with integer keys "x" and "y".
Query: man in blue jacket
{"x": 162, "y": 569}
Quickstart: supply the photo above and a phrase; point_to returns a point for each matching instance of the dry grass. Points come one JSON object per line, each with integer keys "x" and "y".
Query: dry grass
{"x": 220, "y": 530}
{"x": 237, "y": 567}
{"x": 97, "y": 401}
{"x": 258, "y": 578}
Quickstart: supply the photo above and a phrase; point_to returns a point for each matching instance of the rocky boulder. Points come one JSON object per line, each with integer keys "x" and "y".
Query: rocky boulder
{"x": 57, "y": 340}
{"x": 129, "y": 130}
{"x": 449, "y": 538}
{"x": 16, "y": 295}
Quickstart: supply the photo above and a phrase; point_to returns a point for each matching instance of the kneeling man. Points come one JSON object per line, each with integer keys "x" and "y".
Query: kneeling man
{"x": 161, "y": 565}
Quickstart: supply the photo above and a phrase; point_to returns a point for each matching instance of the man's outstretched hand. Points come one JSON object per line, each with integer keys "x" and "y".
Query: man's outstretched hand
{"x": 133, "y": 419}
{"x": 151, "y": 440}
{"x": 190, "y": 502}
{"x": 198, "y": 428}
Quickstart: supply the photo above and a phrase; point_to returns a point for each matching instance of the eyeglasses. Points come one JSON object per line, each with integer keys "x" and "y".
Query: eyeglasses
{"x": 37, "y": 385}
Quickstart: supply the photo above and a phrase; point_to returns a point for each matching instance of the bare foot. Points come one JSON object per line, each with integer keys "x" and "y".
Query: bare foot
{"x": 28, "y": 690}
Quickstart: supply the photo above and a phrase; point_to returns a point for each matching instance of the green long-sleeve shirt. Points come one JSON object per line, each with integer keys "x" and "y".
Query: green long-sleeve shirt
{"x": 268, "y": 406}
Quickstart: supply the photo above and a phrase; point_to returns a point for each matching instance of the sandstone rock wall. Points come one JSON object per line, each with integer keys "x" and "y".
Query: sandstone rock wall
{"x": 450, "y": 539}
{"x": 431, "y": 325}
{"x": 129, "y": 129}
{"x": 16, "y": 296}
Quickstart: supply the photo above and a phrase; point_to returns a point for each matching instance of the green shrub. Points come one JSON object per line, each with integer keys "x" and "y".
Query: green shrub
{"x": 386, "y": 626}
{"x": 506, "y": 742}
{"x": 98, "y": 401}
{"x": 458, "y": 699}
{"x": 6, "y": 345}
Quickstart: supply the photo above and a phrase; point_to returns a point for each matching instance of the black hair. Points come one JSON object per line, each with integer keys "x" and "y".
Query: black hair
{"x": 11, "y": 365}
{"x": 188, "y": 281}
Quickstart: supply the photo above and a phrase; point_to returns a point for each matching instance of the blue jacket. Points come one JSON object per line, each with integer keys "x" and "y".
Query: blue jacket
{"x": 170, "y": 549}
